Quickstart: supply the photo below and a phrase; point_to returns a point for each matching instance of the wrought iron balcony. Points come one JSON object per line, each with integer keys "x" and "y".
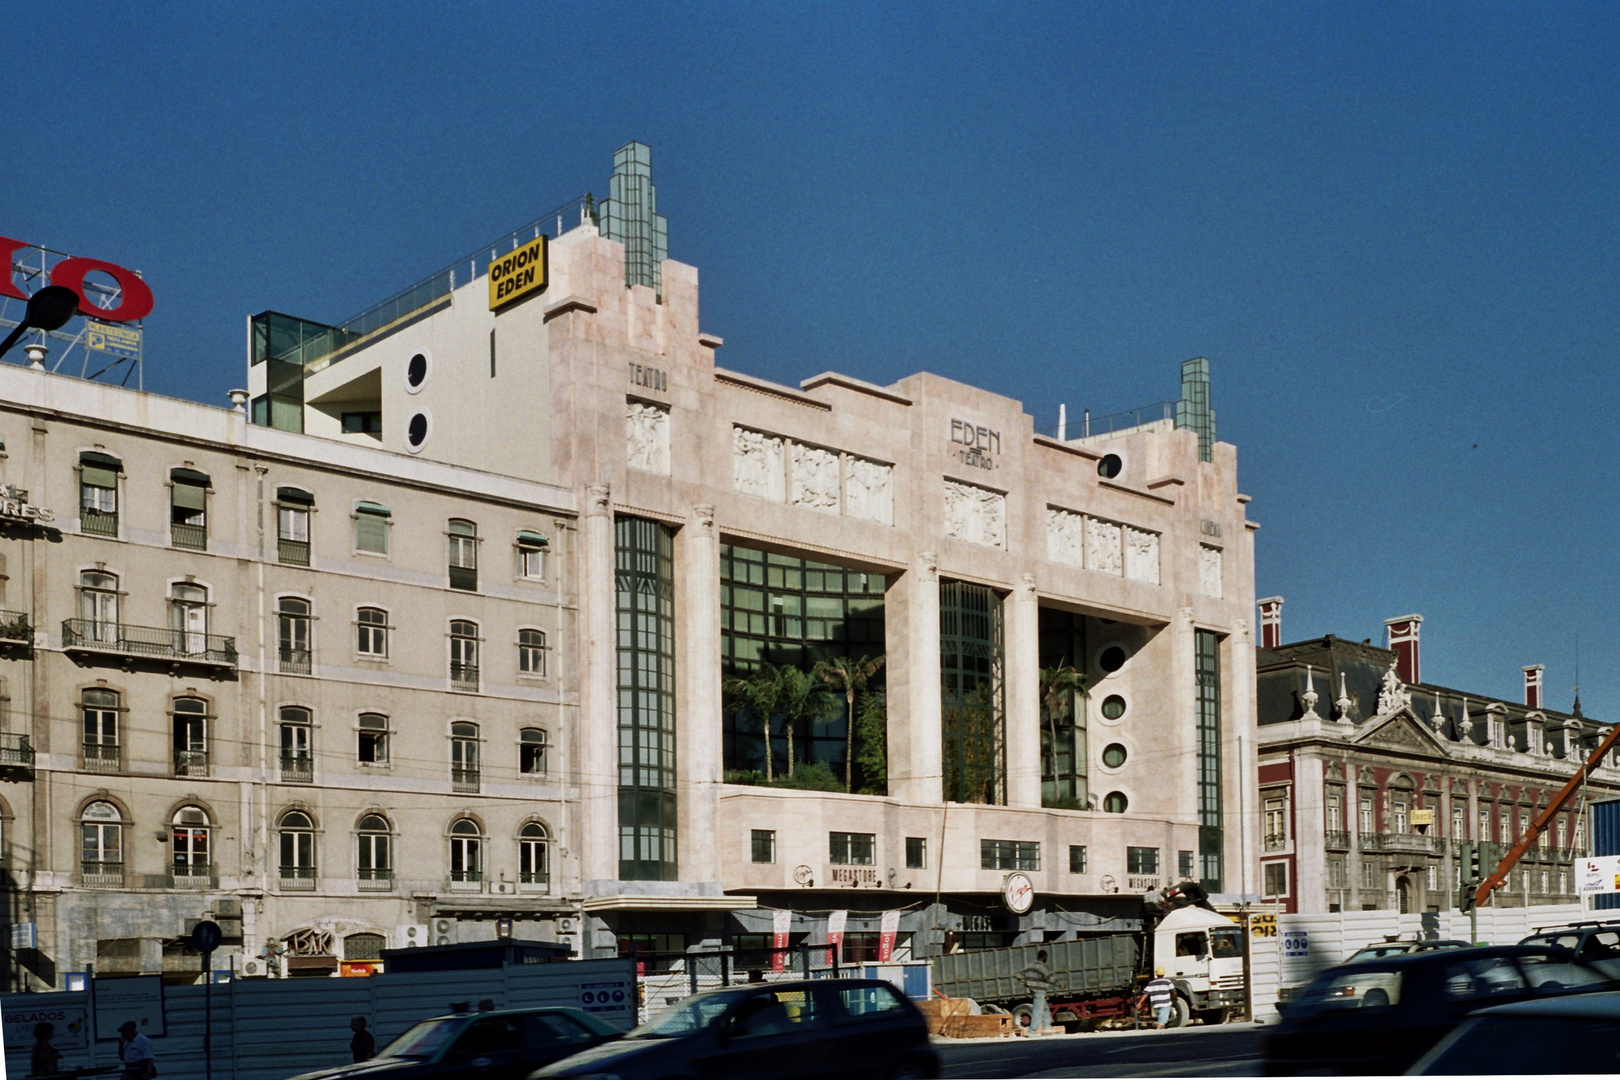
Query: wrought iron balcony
{"x": 98, "y": 522}
{"x": 370, "y": 880}
{"x": 466, "y": 881}
{"x": 193, "y": 876}
{"x": 297, "y": 769}
{"x": 464, "y": 577}
{"x": 296, "y": 661}
{"x": 101, "y": 875}
{"x": 1276, "y": 843}
{"x": 15, "y": 629}
{"x": 158, "y": 643}
{"x": 464, "y": 780}
{"x": 184, "y": 535}
{"x": 1336, "y": 841}
{"x": 191, "y": 763}
{"x": 529, "y": 882}
{"x": 16, "y": 752}
{"x": 1412, "y": 842}
{"x": 103, "y": 758}
{"x": 292, "y": 552}
{"x": 464, "y": 677}
{"x": 298, "y": 879}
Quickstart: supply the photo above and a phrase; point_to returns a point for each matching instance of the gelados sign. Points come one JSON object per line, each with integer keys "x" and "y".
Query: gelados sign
{"x": 514, "y": 276}
{"x": 134, "y": 298}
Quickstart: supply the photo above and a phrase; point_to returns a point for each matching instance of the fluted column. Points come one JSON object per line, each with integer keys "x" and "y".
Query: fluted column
{"x": 597, "y": 734}
{"x": 1024, "y": 695}
{"x": 698, "y": 744}
{"x": 917, "y": 775}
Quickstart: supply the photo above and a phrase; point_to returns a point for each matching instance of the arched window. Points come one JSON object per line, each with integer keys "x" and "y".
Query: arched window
{"x": 466, "y": 853}
{"x": 188, "y": 847}
{"x": 463, "y": 655}
{"x": 364, "y": 946}
{"x": 464, "y": 766}
{"x": 373, "y": 748}
{"x": 292, "y": 635}
{"x": 188, "y": 618}
{"x": 292, "y": 525}
{"x": 372, "y": 630}
{"x": 101, "y": 751}
{"x": 532, "y": 652}
{"x": 190, "y": 737}
{"x": 463, "y": 555}
{"x": 534, "y": 862}
{"x": 98, "y": 493}
{"x": 532, "y": 752}
{"x": 98, "y": 607}
{"x": 297, "y": 850}
{"x": 374, "y": 857}
{"x": 531, "y": 553}
{"x": 297, "y": 755}
{"x": 102, "y": 845}
{"x": 1115, "y": 802}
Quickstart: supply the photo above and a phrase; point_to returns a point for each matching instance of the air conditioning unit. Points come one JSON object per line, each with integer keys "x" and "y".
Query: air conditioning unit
{"x": 252, "y": 969}
{"x": 565, "y": 926}
{"x": 410, "y": 936}
{"x": 444, "y": 931}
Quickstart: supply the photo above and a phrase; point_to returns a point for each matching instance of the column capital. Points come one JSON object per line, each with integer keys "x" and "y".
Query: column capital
{"x": 1026, "y": 586}
{"x": 928, "y": 563}
{"x": 703, "y": 518}
{"x": 598, "y": 499}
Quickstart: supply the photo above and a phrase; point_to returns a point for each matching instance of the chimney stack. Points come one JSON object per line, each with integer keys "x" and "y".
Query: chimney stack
{"x": 1401, "y": 637}
{"x": 1532, "y": 685}
{"x": 1270, "y": 622}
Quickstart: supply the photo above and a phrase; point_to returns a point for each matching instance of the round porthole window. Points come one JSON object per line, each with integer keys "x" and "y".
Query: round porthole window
{"x": 1109, "y": 466}
{"x": 1115, "y": 802}
{"x": 416, "y": 432}
{"x": 1114, "y": 755}
{"x": 1113, "y": 707}
{"x": 1112, "y": 659}
{"x": 416, "y": 372}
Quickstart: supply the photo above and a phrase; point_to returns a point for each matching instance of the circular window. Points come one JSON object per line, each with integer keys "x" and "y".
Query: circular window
{"x": 1113, "y": 707}
{"x": 1112, "y": 658}
{"x": 1115, "y": 802}
{"x": 416, "y": 372}
{"x": 416, "y": 432}
{"x": 1114, "y": 755}
{"x": 1109, "y": 466}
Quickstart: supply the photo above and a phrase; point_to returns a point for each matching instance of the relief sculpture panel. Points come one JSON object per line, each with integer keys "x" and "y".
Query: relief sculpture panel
{"x": 1141, "y": 555}
{"x": 1065, "y": 537}
{"x": 757, "y": 464}
{"x": 646, "y": 432}
{"x": 975, "y": 514}
{"x": 815, "y": 478}
{"x": 869, "y": 491}
{"x": 1209, "y": 571}
{"x": 1103, "y": 552}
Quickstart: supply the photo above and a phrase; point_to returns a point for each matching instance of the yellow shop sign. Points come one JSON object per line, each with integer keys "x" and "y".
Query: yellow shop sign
{"x": 518, "y": 274}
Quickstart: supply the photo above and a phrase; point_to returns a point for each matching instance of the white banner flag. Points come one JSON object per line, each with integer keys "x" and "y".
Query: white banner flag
{"x": 1597, "y": 874}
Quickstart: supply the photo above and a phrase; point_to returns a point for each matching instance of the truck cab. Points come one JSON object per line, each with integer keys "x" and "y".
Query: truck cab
{"x": 1202, "y": 953}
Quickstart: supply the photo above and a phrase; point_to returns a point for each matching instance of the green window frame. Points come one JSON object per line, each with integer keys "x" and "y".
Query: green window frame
{"x": 973, "y": 693}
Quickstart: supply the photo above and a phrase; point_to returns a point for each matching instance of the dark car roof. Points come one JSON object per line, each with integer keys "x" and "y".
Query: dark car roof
{"x": 501, "y": 1012}
{"x": 794, "y": 984}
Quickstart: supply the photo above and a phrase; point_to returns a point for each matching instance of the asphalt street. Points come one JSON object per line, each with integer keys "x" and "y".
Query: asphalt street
{"x": 1229, "y": 1050}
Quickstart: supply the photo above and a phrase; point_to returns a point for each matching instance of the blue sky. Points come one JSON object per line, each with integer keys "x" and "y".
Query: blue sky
{"x": 1391, "y": 227}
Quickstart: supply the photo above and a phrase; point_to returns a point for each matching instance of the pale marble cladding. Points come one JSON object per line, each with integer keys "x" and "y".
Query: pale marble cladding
{"x": 1065, "y": 537}
{"x": 975, "y": 514}
{"x": 1209, "y": 571}
{"x": 869, "y": 491}
{"x": 815, "y": 478}
{"x": 646, "y": 430}
{"x": 1141, "y": 555}
{"x": 1103, "y": 547}
{"x": 757, "y": 464}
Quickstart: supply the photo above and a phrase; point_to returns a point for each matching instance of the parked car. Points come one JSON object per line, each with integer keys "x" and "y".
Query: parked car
{"x": 1597, "y": 943}
{"x": 1566, "y": 1034}
{"x": 506, "y": 1045}
{"x": 778, "y": 1031}
{"x": 1400, "y": 948}
{"x": 1337, "y": 1025}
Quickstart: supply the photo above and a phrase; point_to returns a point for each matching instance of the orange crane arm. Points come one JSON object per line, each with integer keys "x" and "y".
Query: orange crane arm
{"x": 1498, "y": 876}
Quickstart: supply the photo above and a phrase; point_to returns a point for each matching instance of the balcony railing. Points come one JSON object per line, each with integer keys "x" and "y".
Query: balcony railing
{"x": 464, "y": 780}
{"x": 192, "y": 876}
{"x": 369, "y": 880}
{"x": 101, "y": 875}
{"x": 1336, "y": 841}
{"x": 293, "y": 552}
{"x": 183, "y": 535}
{"x": 102, "y": 758}
{"x": 14, "y": 628}
{"x": 466, "y": 881}
{"x": 297, "y": 879}
{"x": 1413, "y": 842}
{"x": 296, "y": 661}
{"x": 1276, "y": 843}
{"x": 464, "y": 577}
{"x": 16, "y": 751}
{"x": 98, "y": 522}
{"x": 155, "y": 642}
{"x": 534, "y": 883}
{"x": 464, "y": 677}
{"x": 191, "y": 763}
{"x": 297, "y": 769}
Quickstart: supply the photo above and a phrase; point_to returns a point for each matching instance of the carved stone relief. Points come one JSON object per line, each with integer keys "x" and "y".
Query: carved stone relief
{"x": 1065, "y": 537}
{"x": 646, "y": 431}
{"x": 1141, "y": 555}
{"x": 869, "y": 491}
{"x": 815, "y": 478}
{"x": 1103, "y": 547}
{"x": 757, "y": 464}
{"x": 1209, "y": 571}
{"x": 975, "y": 514}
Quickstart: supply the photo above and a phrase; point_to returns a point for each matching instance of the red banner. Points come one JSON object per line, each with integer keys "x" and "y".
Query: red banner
{"x": 889, "y": 928}
{"x": 835, "y": 936}
{"x": 780, "y": 923}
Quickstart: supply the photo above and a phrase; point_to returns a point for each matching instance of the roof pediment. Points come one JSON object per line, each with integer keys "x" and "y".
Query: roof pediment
{"x": 1401, "y": 730}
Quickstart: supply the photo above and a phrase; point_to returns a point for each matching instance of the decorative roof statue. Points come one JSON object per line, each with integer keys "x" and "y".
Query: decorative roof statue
{"x": 1465, "y": 725}
{"x": 1392, "y": 696}
{"x": 1344, "y": 701}
{"x": 1309, "y": 697}
{"x": 1439, "y": 719}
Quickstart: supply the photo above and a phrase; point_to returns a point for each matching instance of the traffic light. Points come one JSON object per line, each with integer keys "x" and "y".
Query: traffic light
{"x": 1473, "y": 863}
{"x": 1465, "y": 902}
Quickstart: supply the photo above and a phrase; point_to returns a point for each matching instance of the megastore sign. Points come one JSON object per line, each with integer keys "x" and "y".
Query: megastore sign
{"x": 134, "y": 298}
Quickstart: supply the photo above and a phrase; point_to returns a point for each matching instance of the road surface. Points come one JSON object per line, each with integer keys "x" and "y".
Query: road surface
{"x": 1229, "y": 1050}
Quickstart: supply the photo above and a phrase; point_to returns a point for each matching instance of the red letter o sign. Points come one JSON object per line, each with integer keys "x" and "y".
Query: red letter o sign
{"x": 137, "y": 301}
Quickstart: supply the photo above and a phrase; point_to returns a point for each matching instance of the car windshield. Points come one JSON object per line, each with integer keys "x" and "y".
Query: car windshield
{"x": 1378, "y": 952}
{"x": 686, "y": 1017}
{"x": 426, "y": 1040}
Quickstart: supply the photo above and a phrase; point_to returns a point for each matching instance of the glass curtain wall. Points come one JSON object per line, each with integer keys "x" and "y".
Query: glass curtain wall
{"x": 973, "y": 690}
{"x": 1207, "y": 650}
{"x": 786, "y": 611}
{"x": 1063, "y": 732}
{"x": 644, "y": 554}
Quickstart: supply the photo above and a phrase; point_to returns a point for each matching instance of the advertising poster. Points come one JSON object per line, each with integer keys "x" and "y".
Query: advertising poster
{"x": 835, "y": 936}
{"x": 781, "y": 921}
{"x": 1597, "y": 874}
{"x": 886, "y": 935}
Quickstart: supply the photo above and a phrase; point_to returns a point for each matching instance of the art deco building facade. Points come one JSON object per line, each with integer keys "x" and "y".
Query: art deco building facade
{"x": 1373, "y": 782}
{"x": 440, "y": 631}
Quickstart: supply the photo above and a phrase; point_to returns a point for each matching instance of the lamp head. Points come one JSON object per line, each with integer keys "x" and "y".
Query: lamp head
{"x": 51, "y": 307}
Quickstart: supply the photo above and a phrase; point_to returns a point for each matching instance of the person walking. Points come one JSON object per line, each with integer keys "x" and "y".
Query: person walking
{"x": 46, "y": 1058}
{"x": 1161, "y": 994}
{"x": 1038, "y": 980}
{"x": 362, "y": 1046}
{"x": 135, "y": 1051}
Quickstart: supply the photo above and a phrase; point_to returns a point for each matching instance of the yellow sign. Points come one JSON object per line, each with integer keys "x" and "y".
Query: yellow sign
{"x": 1423, "y": 817}
{"x": 113, "y": 338}
{"x": 514, "y": 276}
{"x": 1263, "y": 925}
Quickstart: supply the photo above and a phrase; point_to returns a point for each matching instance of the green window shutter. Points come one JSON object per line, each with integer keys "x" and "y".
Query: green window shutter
{"x": 296, "y": 496}
{"x": 371, "y": 528}
{"x": 529, "y": 539}
{"x": 96, "y": 476}
{"x": 190, "y": 497}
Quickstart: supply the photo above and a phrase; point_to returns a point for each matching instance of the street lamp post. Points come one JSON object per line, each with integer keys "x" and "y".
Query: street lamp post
{"x": 48, "y": 309}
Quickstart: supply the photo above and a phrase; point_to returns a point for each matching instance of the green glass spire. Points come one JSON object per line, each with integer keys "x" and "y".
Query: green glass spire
{"x": 630, "y": 215}
{"x": 1194, "y": 410}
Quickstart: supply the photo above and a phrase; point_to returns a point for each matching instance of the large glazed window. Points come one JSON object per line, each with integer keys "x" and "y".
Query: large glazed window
{"x": 188, "y": 508}
{"x": 98, "y": 493}
{"x": 1207, "y": 648}
{"x": 646, "y": 652}
{"x": 292, "y": 635}
{"x": 101, "y": 709}
{"x": 786, "y": 611}
{"x": 973, "y": 694}
{"x": 292, "y": 525}
{"x": 1063, "y": 710}
{"x": 463, "y": 537}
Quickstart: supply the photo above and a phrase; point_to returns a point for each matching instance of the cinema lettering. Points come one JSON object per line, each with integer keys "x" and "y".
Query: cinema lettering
{"x": 14, "y": 507}
{"x": 519, "y": 274}
{"x": 975, "y": 444}
{"x": 134, "y": 298}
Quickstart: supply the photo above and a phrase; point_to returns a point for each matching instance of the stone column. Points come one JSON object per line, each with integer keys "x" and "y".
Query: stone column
{"x": 1024, "y": 695}
{"x": 698, "y": 743}
{"x": 918, "y": 777}
{"x": 597, "y": 732}
{"x": 1240, "y": 792}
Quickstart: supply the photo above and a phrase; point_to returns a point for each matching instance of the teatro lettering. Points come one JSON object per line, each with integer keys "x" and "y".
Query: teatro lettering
{"x": 975, "y": 444}
{"x": 650, "y": 377}
{"x": 852, "y": 875}
{"x": 14, "y": 507}
{"x": 135, "y": 299}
